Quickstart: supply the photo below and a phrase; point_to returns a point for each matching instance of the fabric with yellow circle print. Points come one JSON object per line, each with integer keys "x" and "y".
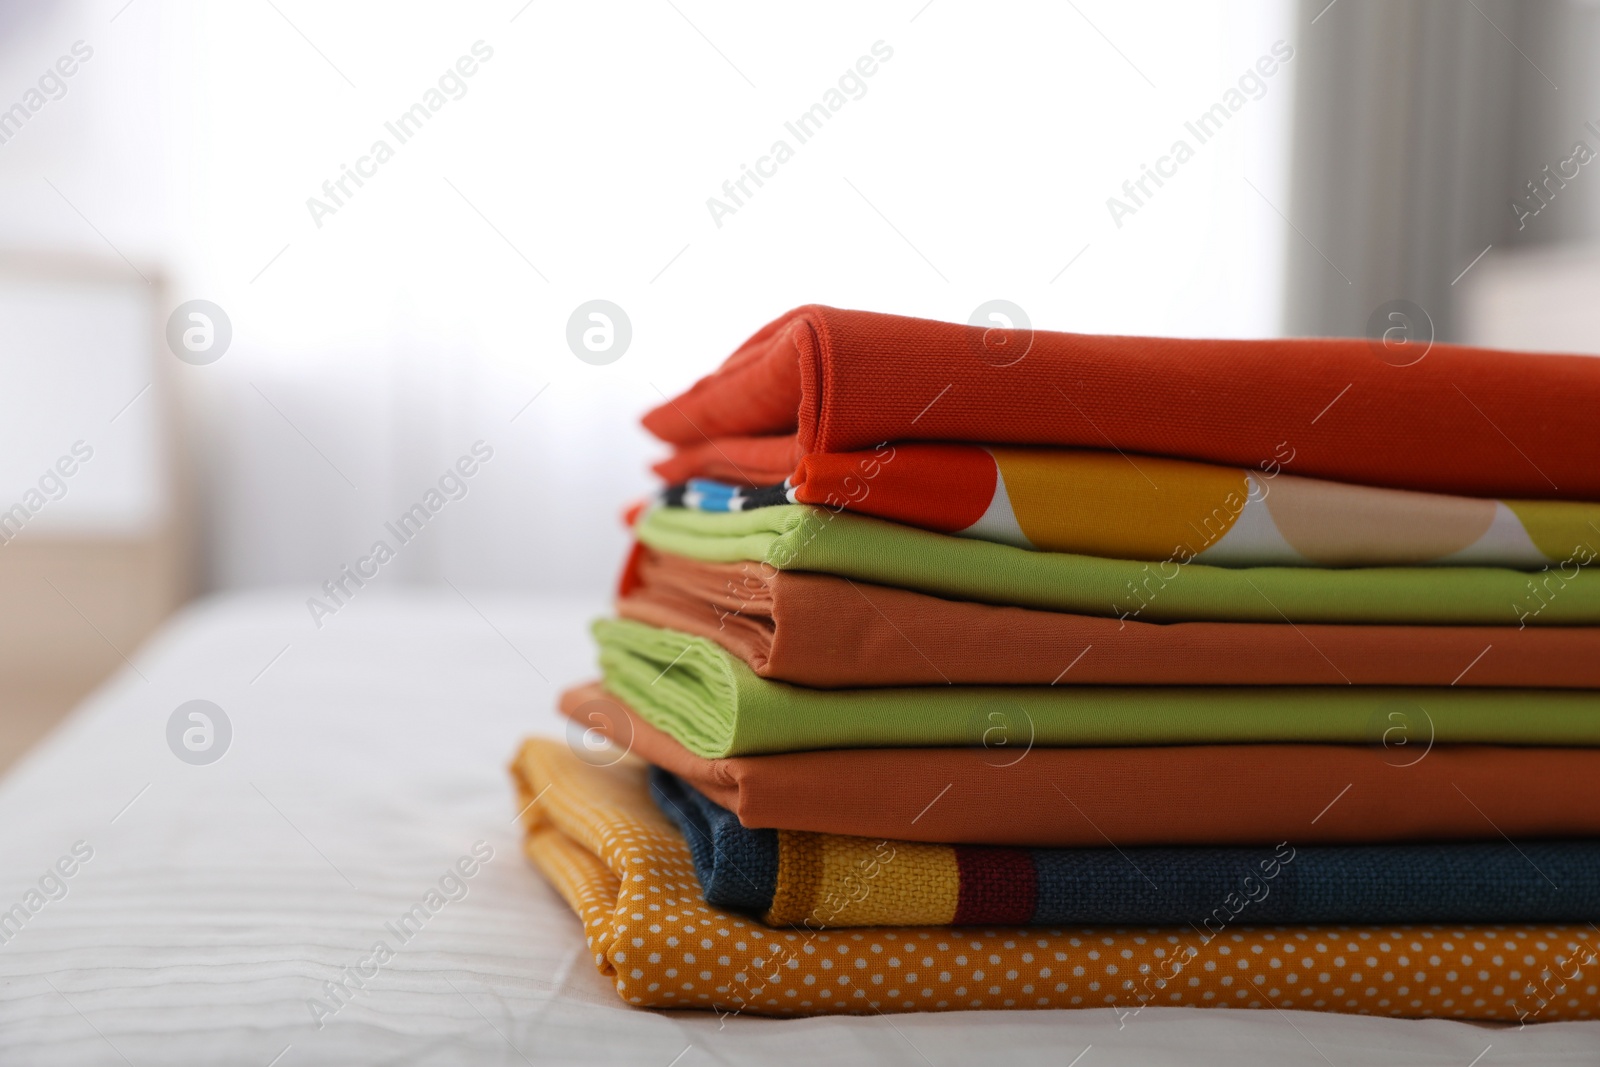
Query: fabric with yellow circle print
{"x": 1125, "y": 506}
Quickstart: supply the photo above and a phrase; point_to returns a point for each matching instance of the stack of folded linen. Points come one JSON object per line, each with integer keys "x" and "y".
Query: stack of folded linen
{"x": 1008, "y": 670}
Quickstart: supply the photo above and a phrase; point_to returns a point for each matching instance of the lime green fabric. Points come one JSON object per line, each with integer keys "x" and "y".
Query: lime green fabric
{"x": 804, "y": 538}
{"x": 715, "y": 706}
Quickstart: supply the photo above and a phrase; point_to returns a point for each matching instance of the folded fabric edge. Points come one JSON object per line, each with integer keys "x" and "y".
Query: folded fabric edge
{"x": 694, "y": 695}
{"x": 845, "y": 380}
{"x": 827, "y": 632}
{"x": 577, "y": 873}
{"x": 712, "y": 703}
{"x": 802, "y": 537}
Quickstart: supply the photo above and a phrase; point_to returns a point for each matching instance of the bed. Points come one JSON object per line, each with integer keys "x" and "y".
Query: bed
{"x": 219, "y": 901}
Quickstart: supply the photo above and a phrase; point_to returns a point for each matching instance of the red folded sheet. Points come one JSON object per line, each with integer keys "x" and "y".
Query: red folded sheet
{"x": 1464, "y": 420}
{"x": 1157, "y": 795}
{"x": 754, "y": 461}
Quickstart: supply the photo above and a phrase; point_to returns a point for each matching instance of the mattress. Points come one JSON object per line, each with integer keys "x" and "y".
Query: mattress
{"x": 213, "y": 906}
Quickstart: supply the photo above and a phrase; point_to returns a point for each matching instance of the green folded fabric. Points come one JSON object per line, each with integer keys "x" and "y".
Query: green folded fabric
{"x": 854, "y": 546}
{"x": 715, "y": 706}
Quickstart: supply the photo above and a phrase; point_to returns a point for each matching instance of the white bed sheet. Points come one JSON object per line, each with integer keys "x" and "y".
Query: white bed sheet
{"x": 365, "y": 758}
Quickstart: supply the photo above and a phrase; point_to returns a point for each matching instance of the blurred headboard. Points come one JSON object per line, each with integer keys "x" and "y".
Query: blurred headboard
{"x": 94, "y": 512}
{"x": 1539, "y": 299}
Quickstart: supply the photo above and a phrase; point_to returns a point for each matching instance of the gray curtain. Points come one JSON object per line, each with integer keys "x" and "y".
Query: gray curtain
{"x": 1416, "y": 124}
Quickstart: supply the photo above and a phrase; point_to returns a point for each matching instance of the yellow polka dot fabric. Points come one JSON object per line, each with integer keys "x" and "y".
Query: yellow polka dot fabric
{"x": 625, "y": 870}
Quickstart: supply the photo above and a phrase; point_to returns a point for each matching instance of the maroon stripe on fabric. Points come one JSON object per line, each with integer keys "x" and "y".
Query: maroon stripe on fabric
{"x": 998, "y": 885}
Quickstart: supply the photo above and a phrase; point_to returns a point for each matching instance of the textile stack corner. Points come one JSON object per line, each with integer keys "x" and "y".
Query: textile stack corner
{"x": 1124, "y": 672}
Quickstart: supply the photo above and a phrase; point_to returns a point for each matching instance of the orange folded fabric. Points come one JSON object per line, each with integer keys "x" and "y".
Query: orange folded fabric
{"x": 1174, "y": 795}
{"x": 1465, "y": 420}
{"x": 753, "y": 461}
{"x": 829, "y": 632}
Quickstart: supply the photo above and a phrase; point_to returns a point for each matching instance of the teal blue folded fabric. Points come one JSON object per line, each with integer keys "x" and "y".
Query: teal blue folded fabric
{"x": 1202, "y": 888}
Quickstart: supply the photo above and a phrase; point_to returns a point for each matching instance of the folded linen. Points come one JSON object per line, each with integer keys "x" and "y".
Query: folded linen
{"x": 798, "y": 537}
{"x": 1163, "y": 795}
{"x": 1460, "y": 420}
{"x": 788, "y": 876}
{"x": 713, "y": 704}
{"x": 1151, "y": 508}
{"x": 762, "y": 461}
{"x": 834, "y": 633}
{"x": 628, "y": 875}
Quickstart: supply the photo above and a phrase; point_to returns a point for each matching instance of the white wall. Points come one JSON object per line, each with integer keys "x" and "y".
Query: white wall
{"x": 375, "y": 349}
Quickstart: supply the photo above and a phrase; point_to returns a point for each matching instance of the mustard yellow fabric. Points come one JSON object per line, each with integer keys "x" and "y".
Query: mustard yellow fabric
{"x": 1561, "y": 531}
{"x": 1111, "y": 507}
{"x": 831, "y": 880}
